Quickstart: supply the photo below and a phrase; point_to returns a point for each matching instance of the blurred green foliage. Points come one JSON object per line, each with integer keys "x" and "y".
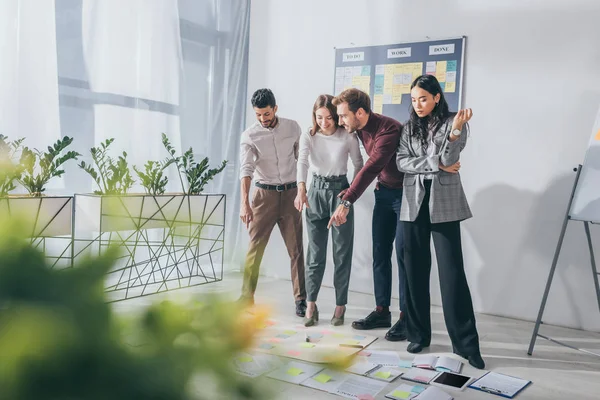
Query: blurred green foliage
{"x": 60, "y": 339}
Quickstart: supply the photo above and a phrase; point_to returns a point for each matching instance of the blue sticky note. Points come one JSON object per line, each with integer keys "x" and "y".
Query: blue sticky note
{"x": 451, "y": 65}
{"x": 443, "y": 85}
{"x": 358, "y": 337}
{"x": 315, "y": 335}
{"x": 366, "y": 70}
{"x": 405, "y": 364}
{"x": 282, "y": 336}
{"x": 417, "y": 389}
{"x": 266, "y": 346}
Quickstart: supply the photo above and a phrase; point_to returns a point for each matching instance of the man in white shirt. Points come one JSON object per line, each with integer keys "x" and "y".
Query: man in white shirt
{"x": 269, "y": 151}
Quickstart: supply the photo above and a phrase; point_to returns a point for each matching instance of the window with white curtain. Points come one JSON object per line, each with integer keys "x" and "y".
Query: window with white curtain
{"x": 96, "y": 69}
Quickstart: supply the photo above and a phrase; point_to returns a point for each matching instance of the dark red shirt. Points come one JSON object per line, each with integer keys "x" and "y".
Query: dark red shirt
{"x": 380, "y": 137}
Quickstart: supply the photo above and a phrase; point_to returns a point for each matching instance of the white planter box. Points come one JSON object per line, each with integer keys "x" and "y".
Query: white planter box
{"x": 48, "y": 221}
{"x": 169, "y": 241}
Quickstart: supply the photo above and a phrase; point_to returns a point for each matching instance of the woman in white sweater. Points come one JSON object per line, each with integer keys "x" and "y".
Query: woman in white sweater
{"x": 327, "y": 146}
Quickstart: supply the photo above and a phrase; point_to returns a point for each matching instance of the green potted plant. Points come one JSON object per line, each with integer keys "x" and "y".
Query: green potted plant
{"x": 51, "y": 223}
{"x": 173, "y": 240}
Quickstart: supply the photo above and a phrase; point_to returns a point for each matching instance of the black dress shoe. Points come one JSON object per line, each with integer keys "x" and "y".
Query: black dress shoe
{"x": 476, "y": 361}
{"x": 416, "y": 347}
{"x": 374, "y": 320}
{"x": 398, "y": 332}
{"x": 301, "y": 308}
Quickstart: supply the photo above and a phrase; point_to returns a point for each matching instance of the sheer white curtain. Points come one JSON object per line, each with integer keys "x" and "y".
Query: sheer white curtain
{"x": 132, "y": 49}
{"x": 28, "y": 73}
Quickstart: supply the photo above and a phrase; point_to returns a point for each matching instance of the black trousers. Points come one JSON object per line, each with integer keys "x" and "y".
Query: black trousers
{"x": 456, "y": 297}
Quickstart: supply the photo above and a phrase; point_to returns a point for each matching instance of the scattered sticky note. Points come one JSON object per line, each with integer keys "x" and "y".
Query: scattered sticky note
{"x": 322, "y": 378}
{"x": 315, "y": 335}
{"x": 294, "y": 353}
{"x": 383, "y": 374}
{"x": 289, "y": 332}
{"x": 266, "y": 346}
{"x": 358, "y": 337}
{"x": 270, "y": 323}
{"x": 275, "y": 340}
{"x": 405, "y": 364}
{"x": 365, "y": 397}
{"x": 339, "y": 335}
{"x": 401, "y": 394}
{"x": 364, "y": 353}
{"x": 245, "y": 359}
{"x": 326, "y": 332}
{"x": 417, "y": 389}
{"x": 282, "y": 336}
{"x": 598, "y": 135}
{"x": 294, "y": 371}
{"x": 307, "y": 345}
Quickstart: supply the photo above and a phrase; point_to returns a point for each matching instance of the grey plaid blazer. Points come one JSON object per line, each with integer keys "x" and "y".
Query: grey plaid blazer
{"x": 447, "y": 201}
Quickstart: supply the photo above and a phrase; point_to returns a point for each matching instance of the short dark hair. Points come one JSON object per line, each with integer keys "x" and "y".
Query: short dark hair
{"x": 263, "y": 98}
{"x": 355, "y": 98}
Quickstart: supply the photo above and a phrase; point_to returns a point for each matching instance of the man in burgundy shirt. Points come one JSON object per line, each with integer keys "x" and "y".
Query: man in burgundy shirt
{"x": 380, "y": 136}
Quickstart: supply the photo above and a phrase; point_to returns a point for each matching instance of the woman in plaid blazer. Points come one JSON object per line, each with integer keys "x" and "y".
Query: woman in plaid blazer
{"x": 433, "y": 204}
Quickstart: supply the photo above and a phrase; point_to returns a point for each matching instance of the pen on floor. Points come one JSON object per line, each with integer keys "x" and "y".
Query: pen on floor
{"x": 306, "y": 338}
{"x": 356, "y": 346}
{"x": 491, "y": 390}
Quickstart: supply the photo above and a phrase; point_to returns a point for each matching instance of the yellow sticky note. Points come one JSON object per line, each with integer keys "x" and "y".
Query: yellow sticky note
{"x": 397, "y": 98}
{"x": 289, "y": 333}
{"x": 383, "y": 374}
{"x": 307, "y": 345}
{"x": 450, "y": 87}
{"x": 598, "y": 135}
{"x": 401, "y": 394}
{"x": 351, "y": 342}
{"x": 294, "y": 371}
{"x": 440, "y": 71}
{"x": 378, "y": 108}
{"x": 356, "y": 81}
{"x": 322, "y": 378}
{"x": 365, "y": 83}
{"x": 339, "y": 335}
{"x": 245, "y": 359}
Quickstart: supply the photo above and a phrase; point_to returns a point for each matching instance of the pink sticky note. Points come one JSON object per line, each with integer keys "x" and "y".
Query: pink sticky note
{"x": 294, "y": 353}
{"x": 422, "y": 378}
{"x": 270, "y": 323}
{"x": 326, "y": 332}
{"x": 364, "y": 353}
{"x": 365, "y": 397}
{"x": 275, "y": 340}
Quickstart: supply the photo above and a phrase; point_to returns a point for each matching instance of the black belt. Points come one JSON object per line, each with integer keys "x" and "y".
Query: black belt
{"x": 279, "y": 188}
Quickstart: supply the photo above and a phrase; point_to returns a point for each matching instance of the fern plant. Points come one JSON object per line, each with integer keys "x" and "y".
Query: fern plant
{"x": 152, "y": 178}
{"x": 112, "y": 176}
{"x": 39, "y": 167}
{"x": 10, "y": 172}
{"x": 196, "y": 174}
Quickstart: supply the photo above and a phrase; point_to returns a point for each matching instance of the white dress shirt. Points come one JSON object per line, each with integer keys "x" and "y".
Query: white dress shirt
{"x": 328, "y": 154}
{"x": 269, "y": 154}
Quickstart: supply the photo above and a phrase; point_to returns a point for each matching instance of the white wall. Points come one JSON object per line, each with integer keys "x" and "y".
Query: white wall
{"x": 533, "y": 81}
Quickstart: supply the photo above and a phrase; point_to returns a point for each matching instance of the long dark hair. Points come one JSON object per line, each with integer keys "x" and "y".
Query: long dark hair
{"x": 324, "y": 100}
{"x": 420, "y": 127}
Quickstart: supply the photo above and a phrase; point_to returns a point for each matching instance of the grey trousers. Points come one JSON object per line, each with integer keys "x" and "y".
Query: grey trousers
{"x": 322, "y": 201}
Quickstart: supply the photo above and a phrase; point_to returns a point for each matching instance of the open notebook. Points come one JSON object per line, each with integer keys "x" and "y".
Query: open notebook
{"x": 441, "y": 363}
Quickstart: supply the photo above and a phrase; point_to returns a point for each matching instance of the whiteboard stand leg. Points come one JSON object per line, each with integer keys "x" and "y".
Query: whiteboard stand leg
{"x": 538, "y": 321}
{"x": 593, "y": 262}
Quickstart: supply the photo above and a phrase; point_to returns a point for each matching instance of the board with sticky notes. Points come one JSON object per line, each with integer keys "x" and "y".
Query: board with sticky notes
{"x": 386, "y": 72}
